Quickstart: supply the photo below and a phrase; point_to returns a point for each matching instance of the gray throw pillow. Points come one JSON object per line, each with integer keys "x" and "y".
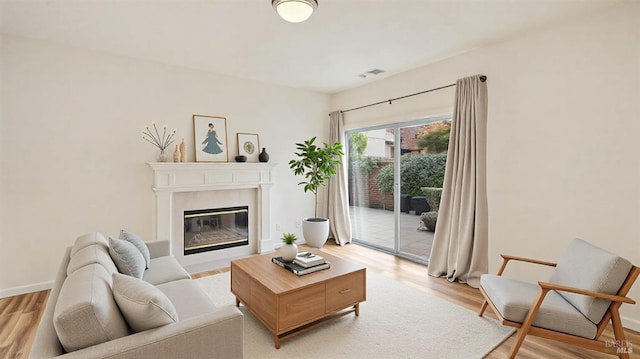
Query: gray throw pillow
{"x": 127, "y": 257}
{"x": 142, "y": 305}
{"x": 138, "y": 242}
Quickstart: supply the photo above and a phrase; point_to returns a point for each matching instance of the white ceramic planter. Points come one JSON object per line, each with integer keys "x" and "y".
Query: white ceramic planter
{"x": 315, "y": 231}
{"x": 288, "y": 252}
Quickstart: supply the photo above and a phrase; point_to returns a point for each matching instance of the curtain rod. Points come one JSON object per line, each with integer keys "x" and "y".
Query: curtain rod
{"x": 482, "y": 78}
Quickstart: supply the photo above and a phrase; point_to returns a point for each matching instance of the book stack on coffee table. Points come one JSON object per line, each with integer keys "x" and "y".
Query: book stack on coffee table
{"x": 304, "y": 263}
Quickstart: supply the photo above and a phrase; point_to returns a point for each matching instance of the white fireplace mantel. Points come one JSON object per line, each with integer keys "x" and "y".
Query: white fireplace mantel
{"x": 170, "y": 178}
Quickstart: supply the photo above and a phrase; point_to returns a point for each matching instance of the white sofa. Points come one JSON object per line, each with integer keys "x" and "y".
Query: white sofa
{"x": 84, "y": 284}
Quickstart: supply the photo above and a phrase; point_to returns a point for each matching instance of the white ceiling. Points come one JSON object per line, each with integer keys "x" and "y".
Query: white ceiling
{"x": 247, "y": 39}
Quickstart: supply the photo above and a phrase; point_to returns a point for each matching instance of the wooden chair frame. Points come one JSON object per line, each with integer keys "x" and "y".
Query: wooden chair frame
{"x": 612, "y": 314}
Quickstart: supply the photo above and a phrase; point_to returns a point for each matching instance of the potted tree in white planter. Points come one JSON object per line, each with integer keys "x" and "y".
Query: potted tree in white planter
{"x": 316, "y": 164}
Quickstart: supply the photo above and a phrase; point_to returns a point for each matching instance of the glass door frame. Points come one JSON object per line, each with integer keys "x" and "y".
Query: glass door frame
{"x": 397, "y": 127}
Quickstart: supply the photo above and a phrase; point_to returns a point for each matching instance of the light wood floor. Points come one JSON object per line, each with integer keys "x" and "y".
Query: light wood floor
{"x": 19, "y": 315}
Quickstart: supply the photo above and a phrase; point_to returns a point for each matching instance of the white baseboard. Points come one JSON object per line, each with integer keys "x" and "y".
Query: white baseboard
{"x": 633, "y": 324}
{"x": 4, "y": 293}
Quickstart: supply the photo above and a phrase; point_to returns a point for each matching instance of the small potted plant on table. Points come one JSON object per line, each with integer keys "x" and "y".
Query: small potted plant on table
{"x": 289, "y": 249}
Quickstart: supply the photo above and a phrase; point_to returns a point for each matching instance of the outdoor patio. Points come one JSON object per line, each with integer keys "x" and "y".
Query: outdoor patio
{"x": 376, "y": 227}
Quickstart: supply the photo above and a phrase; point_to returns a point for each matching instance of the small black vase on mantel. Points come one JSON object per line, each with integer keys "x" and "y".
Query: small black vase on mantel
{"x": 263, "y": 156}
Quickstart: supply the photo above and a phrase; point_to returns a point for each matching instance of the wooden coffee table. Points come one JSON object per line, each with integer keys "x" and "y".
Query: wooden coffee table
{"x": 288, "y": 304}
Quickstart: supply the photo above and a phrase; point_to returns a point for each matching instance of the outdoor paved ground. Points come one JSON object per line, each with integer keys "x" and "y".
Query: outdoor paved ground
{"x": 376, "y": 227}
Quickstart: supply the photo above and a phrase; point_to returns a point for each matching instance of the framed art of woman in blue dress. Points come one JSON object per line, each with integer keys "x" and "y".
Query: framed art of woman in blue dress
{"x": 210, "y": 138}
{"x": 211, "y": 142}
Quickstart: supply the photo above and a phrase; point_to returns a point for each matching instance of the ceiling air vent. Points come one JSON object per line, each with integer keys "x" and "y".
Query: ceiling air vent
{"x": 370, "y": 73}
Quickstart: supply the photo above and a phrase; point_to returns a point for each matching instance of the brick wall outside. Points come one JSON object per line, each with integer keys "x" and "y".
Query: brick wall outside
{"x": 363, "y": 191}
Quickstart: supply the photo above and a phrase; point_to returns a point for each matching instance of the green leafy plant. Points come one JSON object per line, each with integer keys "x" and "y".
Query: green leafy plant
{"x": 384, "y": 179}
{"x": 358, "y": 143}
{"x": 433, "y": 195}
{"x": 416, "y": 171}
{"x": 436, "y": 137}
{"x": 289, "y": 238}
{"x": 421, "y": 171}
{"x": 368, "y": 164}
{"x": 317, "y": 164}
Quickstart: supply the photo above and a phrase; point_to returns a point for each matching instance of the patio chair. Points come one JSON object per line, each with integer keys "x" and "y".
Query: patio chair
{"x": 583, "y": 295}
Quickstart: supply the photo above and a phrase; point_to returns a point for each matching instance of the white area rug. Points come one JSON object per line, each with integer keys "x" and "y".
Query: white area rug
{"x": 396, "y": 321}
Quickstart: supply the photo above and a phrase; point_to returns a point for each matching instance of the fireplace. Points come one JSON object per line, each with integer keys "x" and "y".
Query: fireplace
{"x": 214, "y": 229}
{"x": 193, "y": 186}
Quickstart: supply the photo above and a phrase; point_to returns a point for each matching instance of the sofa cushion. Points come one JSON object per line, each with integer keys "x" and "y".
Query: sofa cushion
{"x": 188, "y": 298}
{"x": 143, "y": 305}
{"x": 95, "y": 253}
{"x": 513, "y": 299}
{"x": 164, "y": 269}
{"x": 88, "y": 239}
{"x": 86, "y": 313}
{"x": 138, "y": 242}
{"x": 586, "y": 266}
{"x": 127, "y": 257}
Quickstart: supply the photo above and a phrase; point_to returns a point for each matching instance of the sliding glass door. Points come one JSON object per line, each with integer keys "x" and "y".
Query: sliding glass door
{"x": 390, "y": 168}
{"x": 371, "y": 182}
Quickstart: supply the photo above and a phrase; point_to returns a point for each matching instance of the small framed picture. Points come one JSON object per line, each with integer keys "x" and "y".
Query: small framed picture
{"x": 210, "y": 138}
{"x": 249, "y": 145}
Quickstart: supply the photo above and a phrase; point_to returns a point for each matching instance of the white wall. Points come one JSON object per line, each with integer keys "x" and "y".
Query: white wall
{"x": 376, "y": 143}
{"x": 72, "y": 158}
{"x": 563, "y": 135}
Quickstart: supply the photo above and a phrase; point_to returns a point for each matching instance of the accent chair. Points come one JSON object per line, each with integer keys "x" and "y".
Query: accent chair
{"x": 582, "y": 297}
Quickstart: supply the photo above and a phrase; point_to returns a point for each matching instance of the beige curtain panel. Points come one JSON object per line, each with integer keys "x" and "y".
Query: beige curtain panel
{"x": 460, "y": 244}
{"x": 339, "y": 220}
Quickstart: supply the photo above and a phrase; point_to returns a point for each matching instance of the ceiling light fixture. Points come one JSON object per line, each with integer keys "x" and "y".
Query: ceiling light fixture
{"x": 294, "y": 10}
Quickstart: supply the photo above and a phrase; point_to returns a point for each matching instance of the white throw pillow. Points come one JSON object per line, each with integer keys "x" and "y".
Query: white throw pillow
{"x": 142, "y": 305}
{"x": 96, "y": 253}
{"x": 86, "y": 313}
{"x": 138, "y": 242}
{"x": 88, "y": 239}
{"x": 127, "y": 257}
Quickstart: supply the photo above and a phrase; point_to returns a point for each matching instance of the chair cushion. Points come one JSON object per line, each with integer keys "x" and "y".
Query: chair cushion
{"x": 86, "y": 313}
{"x": 513, "y": 299}
{"x": 95, "y": 253}
{"x": 139, "y": 243}
{"x": 88, "y": 239}
{"x": 143, "y": 305}
{"x": 188, "y": 298}
{"x": 164, "y": 269}
{"x": 127, "y": 257}
{"x": 586, "y": 266}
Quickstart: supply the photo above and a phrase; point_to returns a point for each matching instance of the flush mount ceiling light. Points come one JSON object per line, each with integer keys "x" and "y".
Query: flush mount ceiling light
{"x": 294, "y": 10}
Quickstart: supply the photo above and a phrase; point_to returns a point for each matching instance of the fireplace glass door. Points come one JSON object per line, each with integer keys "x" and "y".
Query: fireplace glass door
{"x": 214, "y": 229}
